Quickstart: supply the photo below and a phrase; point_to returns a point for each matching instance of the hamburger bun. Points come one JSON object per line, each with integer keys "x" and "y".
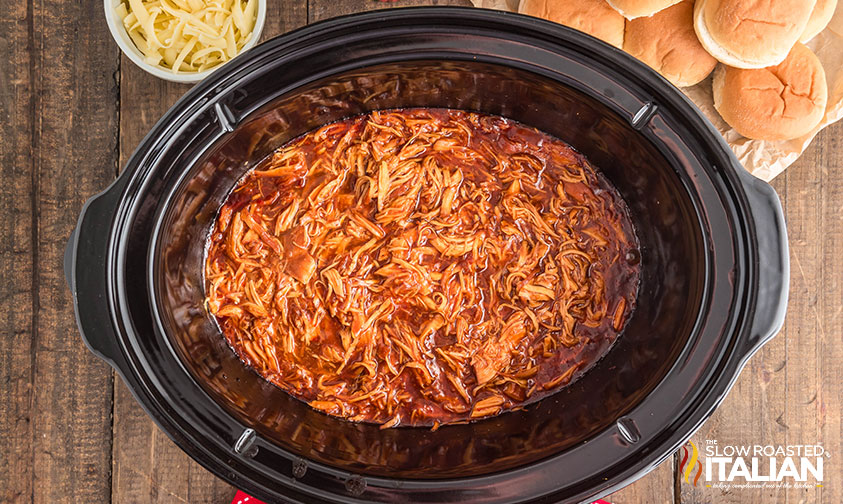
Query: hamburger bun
{"x": 667, "y": 43}
{"x": 594, "y": 17}
{"x": 778, "y": 103}
{"x": 632, "y": 9}
{"x": 750, "y": 34}
{"x": 820, "y": 17}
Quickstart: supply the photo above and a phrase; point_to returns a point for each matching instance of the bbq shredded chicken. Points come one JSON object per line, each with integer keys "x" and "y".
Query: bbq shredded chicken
{"x": 422, "y": 266}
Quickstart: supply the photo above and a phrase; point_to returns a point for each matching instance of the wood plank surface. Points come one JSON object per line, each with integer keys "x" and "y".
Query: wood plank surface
{"x": 654, "y": 488}
{"x": 791, "y": 390}
{"x": 324, "y": 9}
{"x": 148, "y": 467}
{"x": 58, "y": 106}
{"x": 822, "y": 408}
{"x": 17, "y": 107}
{"x": 75, "y": 140}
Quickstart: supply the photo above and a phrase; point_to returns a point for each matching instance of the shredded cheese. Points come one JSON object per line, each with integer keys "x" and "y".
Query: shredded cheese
{"x": 188, "y": 35}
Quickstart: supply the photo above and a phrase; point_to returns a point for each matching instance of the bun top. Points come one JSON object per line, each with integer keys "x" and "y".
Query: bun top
{"x": 820, "y": 17}
{"x": 667, "y": 42}
{"x": 751, "y": 34}
{"x": 632, "y": 9}
{"x": 777, "y": 103}
{"x": 595, "y": 17}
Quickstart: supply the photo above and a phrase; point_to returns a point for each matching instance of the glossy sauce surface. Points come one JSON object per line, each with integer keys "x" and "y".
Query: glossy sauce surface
{"x": 422, "y": 266}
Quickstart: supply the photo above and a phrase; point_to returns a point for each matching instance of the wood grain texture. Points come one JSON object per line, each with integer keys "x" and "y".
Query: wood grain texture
{"x": 791, "y": 390}
{"x": 148, "y": 467}
{"x": 654, "y": 488}
{"x": 324, "y": 9}
{"x": 70, "y": 153}
{"x": 16, "y": 252}
{"x": 824, "y": 405}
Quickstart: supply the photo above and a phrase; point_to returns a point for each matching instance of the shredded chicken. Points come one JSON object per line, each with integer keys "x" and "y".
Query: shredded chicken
{"x": 422, "y": 266}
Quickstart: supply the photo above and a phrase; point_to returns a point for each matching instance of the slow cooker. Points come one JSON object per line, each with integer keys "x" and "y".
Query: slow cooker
{"x": 714, "y": 257}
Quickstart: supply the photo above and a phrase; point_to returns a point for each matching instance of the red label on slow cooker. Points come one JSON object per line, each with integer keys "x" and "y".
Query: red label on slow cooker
{"x": 244, "y": 498}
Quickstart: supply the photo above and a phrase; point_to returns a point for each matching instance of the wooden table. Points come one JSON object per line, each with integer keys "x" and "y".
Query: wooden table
{"x": 72, "y": 109}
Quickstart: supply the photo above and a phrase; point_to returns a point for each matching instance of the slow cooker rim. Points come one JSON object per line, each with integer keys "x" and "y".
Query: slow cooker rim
{"x": 373, "y": 479}
{"x": 134, "y": 167}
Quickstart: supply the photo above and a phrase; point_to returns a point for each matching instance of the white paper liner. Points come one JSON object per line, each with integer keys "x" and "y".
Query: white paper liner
{"x": 764, "y": 159}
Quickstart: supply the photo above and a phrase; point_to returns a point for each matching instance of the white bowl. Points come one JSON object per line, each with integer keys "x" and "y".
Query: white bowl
{"x": 121, "y": 36}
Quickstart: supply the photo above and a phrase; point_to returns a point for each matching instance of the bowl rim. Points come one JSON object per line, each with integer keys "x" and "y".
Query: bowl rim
{"x": 120, "y": 347}
{"x": 127, "y": 47}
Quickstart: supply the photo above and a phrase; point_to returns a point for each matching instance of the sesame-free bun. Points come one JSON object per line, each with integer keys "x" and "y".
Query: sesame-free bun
{"x": 820, "y": 17}
{"x": 632, "y": 9}
{"x": 667, "y": 42}
{"x": 594, "y": 17}
{"x": 751, "y": 33}
{"x": 778, "y": 103}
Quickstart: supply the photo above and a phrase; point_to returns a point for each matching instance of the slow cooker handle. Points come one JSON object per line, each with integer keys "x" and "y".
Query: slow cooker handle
{"x": 85, "y": 269}
{"x": 773, "y": 262}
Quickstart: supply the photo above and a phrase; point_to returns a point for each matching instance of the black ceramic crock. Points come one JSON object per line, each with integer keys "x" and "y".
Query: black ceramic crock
{"x": 713, "y": 284}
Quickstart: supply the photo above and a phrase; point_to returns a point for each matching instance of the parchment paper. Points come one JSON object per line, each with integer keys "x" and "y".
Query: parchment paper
{"x": 763, "y": 159}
